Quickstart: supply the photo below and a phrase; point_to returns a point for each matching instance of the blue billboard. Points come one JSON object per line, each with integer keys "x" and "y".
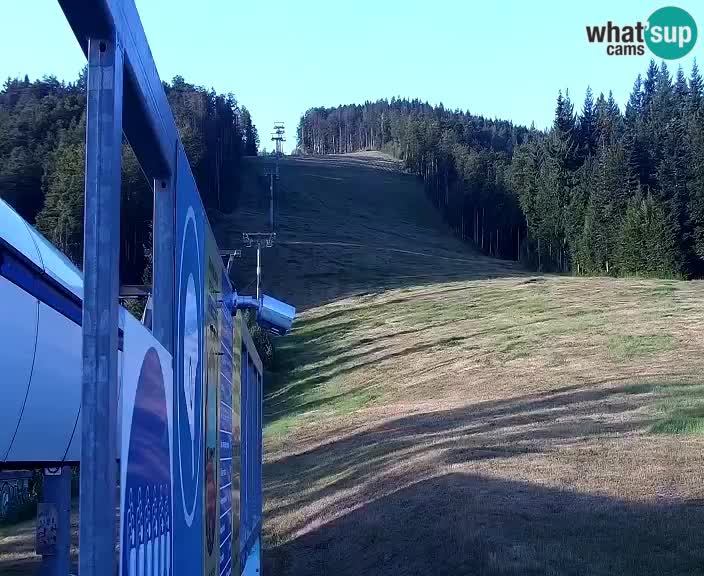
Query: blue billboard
{"x": 188, "y": 455}
{"x": 226, "y": 419}
{"x": 146, "y": 441}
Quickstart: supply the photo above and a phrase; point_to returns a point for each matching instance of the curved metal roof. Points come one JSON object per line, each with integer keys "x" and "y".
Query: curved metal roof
{"x": 16, "y": 232}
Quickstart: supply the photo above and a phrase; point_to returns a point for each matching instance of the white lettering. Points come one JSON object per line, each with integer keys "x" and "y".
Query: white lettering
{"x": 656, "y": 34}
{"x": 670, "y": 35}
{"x": 685, "y": 35}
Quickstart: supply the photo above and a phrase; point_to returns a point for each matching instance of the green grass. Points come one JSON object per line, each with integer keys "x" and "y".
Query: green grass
{"x": 688, "y": 425}
{"x": 281, "y": 426}
{"x": 319, "y": 366}
{"x": 323, "y": 363}
{"x": 680, "y": 409}
{"x": 663, "y": 290}
{"x": 528, "y": 305}
{"x": 318, "y": 400}
{"x": 309, "y": 379}
{"x": 513, "y": 346}
{"x": 636, "y": 389}
{"x": 356, "y": 401}
{"x": 630, "y": 347}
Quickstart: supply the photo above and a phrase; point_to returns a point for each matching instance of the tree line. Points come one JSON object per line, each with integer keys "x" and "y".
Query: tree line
{"x": 42, "y": 161}
{"x": 605, "y": 190}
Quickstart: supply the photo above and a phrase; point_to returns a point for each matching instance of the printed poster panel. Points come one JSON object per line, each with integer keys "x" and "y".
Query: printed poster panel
{"x": 236, "y": 435}
{"x": 211, "y": 551}
{"x": 226, "y": 413}
{"x": 146, "y": 542}
{"x": 188, "y": 405}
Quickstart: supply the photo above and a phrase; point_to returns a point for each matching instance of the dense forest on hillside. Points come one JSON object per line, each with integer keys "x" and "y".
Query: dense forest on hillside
{"x": 603, "y": 191}
{"x": 42, "y": 131}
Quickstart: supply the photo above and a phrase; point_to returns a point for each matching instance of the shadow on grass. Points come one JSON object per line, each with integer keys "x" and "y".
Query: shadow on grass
{"x": 309, "y": 392}
{"x": 460, "y": 523}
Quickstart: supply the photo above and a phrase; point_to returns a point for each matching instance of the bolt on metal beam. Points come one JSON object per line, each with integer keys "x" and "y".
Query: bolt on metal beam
{"x": 163, "y": 251}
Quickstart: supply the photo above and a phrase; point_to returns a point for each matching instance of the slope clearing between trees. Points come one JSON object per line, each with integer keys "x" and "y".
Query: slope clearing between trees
{"x": 437, "y": 411}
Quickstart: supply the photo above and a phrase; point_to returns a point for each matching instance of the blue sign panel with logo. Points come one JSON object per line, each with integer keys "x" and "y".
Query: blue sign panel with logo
{"x": 188, "y": 375}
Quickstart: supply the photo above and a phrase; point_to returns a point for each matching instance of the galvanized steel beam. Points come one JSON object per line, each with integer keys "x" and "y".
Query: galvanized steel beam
{"x": 101, "y": 253}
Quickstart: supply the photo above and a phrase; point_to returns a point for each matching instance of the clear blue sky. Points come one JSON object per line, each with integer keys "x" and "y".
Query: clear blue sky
{"x": 504, "y": 58}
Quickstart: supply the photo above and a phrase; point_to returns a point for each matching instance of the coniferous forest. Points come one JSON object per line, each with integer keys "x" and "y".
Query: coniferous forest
{"x": 42, "y": 133}
{"x": 608, "y": 189}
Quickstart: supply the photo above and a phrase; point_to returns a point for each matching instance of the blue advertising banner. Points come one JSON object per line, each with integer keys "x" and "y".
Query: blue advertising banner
{"x": 236, "y": 469}
{"x": 146, "y": 443}
{"x": 188, "y": 409}
{"x": 226, "y": 417}
{"x": 213, "y": 287}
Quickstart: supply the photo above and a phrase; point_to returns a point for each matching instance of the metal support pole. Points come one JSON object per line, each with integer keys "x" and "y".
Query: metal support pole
{"x": 56, "y": 503}
{"x": 163, "y": 252}
{"x": 259, "y": 267}
{"x": 101, "y": 254}
{"x": 271, "y": 201}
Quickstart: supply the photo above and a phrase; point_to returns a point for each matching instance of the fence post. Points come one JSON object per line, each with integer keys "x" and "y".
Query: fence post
{"x": 54, "y": 514}
{"x": 101, "y": 253}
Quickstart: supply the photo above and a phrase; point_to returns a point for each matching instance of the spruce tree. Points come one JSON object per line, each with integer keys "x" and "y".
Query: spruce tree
{"x": 649, "y": 86}
{"x": 696, "y": 90}
{"x": 61, "y": 218}
{"x": 251, "y": 138}
{"x": 587, "y": 127}
{"x": 680, "y": 91}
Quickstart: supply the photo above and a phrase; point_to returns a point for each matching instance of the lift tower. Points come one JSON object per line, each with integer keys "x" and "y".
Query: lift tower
{"x": 277, "y": 136}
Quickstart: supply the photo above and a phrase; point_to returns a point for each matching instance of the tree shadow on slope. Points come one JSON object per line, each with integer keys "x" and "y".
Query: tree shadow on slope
{"x": 462, "y": 523}
{"x": 318, "y": 366}
{"x": 326, "y": 356}
{"x": 523, "y": 422}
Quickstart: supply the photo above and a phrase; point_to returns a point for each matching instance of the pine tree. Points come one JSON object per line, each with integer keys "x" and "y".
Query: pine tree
{"x": 42, "y": 132}
{"x": 614, "y": 117}
{"x": 680, "y": 91}
{"x": 565, "y": 144}
{"x": 603, "y": 128}
{"x": 577, "y": 210}
{"x": 695, "y": 206}
{"x": 634, "y": 107}
{"x": 251, "y": 138}
{"x": 646, "y": 245}
{"x": 61, "y": 218}
{"x": 580, "y": 193}
{"x": 587, "y": 127}
{"x": 696, "y": 90}
{"x": 649, "y": 86}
